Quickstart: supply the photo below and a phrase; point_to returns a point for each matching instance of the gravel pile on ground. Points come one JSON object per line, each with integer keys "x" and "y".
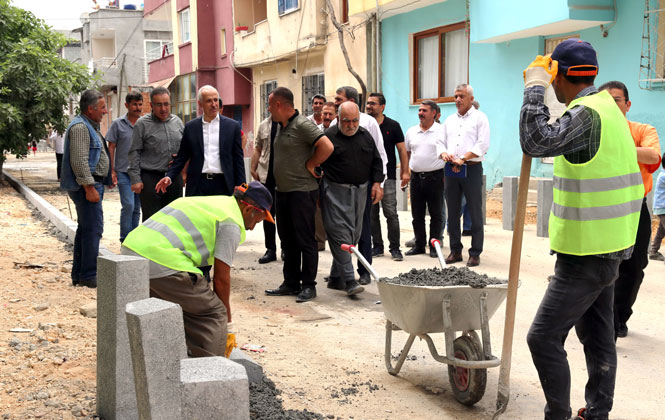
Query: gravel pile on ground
{"x": 449, "y": 276}
{"x": 266, "y": 404}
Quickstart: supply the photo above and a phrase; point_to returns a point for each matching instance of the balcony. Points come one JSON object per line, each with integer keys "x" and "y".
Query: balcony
{"x": 387, "y": 8}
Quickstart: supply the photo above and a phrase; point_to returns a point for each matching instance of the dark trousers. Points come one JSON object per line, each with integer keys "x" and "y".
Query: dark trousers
{"x": 426, "y": 194}
{"x": 295, "y": 224}
{"x": 152, "y": 201}
{"x": 580, "y": 294}
{"x": 89, "y": 229}
{"x": 389, "y": 205}
{"x": 631, "y": 271}
{"x": 215, "y": 185}
{"x": 660, "y": 234}
{"x": 365, "y": 242}
{"x": 471, "y": 188}
{"x": 58, "y": 162}
{"x": 269, "y": 229}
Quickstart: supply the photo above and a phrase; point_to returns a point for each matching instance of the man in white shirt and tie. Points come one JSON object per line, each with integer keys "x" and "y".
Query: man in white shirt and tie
{"x": 465, "y": 141}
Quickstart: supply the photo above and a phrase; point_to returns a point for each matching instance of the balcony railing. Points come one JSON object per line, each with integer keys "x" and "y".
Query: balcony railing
{"x": 104, "y": 63}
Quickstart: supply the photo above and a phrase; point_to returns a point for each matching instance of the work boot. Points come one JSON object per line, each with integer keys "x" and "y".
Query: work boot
{"x": 396, "y": 254}
{"x": 308, "y": 293}
{"x": 269, "y": 256}
{"x": 365, "y": 279}
{"x": 336, "y": 283}
{"x": 454, "y": 257}
{"x": 410, "y": 243}
{"x": 353, "y": 288}
{"x": 657, "y": 256}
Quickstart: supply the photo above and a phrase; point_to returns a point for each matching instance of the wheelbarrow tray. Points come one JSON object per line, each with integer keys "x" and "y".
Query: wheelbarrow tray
{"x": 419, "y": 309}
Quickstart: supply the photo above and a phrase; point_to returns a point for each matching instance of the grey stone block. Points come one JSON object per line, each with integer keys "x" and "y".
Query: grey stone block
{"x": 254, "y": 370}
{"x": 120, "y": 279}
{"x": 545, "y": 198}
{"x": 509, "y": 201}
{"x": 214, "y": 388}
{"x": 157, "y": 341}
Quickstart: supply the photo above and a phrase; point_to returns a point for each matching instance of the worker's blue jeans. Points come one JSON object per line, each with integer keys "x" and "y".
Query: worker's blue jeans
{"x": 130, "y": 213}
{"x": 580, "y": 294}
{"x": 88, "y": 234}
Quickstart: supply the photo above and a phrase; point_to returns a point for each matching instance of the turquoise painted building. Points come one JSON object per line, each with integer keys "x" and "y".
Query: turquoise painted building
{"x": 503, "y": 38}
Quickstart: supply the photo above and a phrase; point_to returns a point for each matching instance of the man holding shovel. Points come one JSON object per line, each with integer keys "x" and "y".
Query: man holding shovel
{"x": 598, "y": 194}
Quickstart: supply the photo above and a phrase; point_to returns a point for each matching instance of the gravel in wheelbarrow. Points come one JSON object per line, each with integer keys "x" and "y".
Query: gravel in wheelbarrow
{"x": 449, "y": 276}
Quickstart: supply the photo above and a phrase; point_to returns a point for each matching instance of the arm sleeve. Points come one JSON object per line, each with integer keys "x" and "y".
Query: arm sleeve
{"x": 238, "y": 158}
{"x": 482, "y": 136}
{"x": 79, "y": 150}
{"x": 112, "y": 135}
{"x": 378, "y": 174}
{"x": 227, "y": 241}
{"x": 134, "y": 155}
{"x": 565, "y": 135}
{"x": 375, "y": 131}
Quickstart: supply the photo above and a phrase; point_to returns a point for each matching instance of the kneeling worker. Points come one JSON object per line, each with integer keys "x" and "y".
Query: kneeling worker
{"x": 193, "y": 232}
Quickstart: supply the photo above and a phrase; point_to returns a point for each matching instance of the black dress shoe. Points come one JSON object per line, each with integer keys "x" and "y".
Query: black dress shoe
{"x": 365, "y": 279}
{"x": 308, "y": 293}
{"x": 377, "y": 252}
{"x": 415, "y": 251}
{"x": 474, "y": 261}
{"x": 622, "y": 330}
{"x": 336, "y": 283}
{"x": 397, "y": 255}
{"x": 432, "y": 252}
{"x": 353, "y": 288}
{"x": 91, "y": 283}
{"x": 282, "y": 290}
{"x": 269, "y": 256}
{"x": 454, "y": 257}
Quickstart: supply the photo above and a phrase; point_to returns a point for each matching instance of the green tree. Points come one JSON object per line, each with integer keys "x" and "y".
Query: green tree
{"x": 35, "y": 84}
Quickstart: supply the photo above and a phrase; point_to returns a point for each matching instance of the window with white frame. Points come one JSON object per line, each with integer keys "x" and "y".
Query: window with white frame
{"x": 184, "y": 26}
{"x": 441, "y": 62}
{"x": 154, "y": 49}
{"x": 266, "y": 89}
{"x": 311, "y": 85}
{"x": 285, "y": 6}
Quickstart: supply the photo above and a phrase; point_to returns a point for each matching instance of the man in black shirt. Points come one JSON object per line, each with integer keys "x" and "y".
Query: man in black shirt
{"x": 393, "y": 137}
{"x": 354, "y": 166}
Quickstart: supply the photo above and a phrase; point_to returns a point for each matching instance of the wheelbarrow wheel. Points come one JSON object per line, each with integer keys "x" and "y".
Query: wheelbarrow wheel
{"x": 468, "y": 384}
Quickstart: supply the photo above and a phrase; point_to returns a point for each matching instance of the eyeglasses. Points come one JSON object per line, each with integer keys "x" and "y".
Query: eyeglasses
{"x": 372, "y": 103}
{"x": 161, "y": 104}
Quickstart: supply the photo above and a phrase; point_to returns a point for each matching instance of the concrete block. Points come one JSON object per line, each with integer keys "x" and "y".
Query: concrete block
{"x": 157, "y": 342}
{"x": 120, "y": 279}
{"x": 545, "y": 198}
{"x": 254, "y": 370}
{"x": 214, "y": 388}
{"x": 509, "y": 201}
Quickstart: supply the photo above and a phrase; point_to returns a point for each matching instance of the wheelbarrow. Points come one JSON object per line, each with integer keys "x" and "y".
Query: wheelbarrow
{"x": 423, "y": 310}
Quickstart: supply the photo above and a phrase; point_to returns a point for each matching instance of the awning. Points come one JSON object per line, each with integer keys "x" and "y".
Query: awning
{"x": 159, "y": 83}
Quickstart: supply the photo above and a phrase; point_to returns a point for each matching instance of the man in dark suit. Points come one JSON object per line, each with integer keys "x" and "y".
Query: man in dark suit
{"x": 213, "y": 147}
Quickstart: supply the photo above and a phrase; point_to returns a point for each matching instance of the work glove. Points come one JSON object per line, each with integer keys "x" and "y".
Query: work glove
{"x": 540, "y": 72}
{"x": 230, "y": 340}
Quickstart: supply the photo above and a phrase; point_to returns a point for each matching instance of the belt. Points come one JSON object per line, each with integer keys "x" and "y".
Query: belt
{"x": 427, "y": 174}
{"x": 98, "y": 178}
{"x": 472, "y": 162}
{"x": 209, "y": 175}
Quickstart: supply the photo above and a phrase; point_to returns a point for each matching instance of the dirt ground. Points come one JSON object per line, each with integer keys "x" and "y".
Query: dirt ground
{"x": 326, "y": 356}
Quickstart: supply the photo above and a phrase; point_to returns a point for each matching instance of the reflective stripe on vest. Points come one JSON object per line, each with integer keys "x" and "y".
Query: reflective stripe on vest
{"x": 182, "y": 235}
{"x": 597, "y": 203}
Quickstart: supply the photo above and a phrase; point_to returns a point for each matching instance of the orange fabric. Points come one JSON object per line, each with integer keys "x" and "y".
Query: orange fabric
{"x": 645, "y": 135}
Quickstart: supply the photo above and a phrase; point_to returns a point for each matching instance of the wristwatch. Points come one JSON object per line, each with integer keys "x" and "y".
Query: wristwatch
{"x": 463, "y": 159}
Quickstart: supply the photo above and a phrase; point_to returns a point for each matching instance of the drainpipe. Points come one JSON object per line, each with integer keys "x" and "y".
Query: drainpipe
{"x": 377, "y": 38}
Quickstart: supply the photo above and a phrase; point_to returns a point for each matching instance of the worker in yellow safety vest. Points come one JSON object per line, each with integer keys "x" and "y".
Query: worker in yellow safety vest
{"x": 598, "y": 192}
{"x": 193, "y": 232}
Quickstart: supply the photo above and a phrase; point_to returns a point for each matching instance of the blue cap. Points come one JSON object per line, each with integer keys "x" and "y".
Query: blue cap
{"x": 576, "y": 58}
{"x": 259, "y": 194}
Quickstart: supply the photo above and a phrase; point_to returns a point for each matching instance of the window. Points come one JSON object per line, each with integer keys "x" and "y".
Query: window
{"x": 222, "y": 41}
{"x": 155, "y": 49}
{"x": 183, "y": 97}
{"x": 184, "y": 26}
{"x": 441, "y": 62}
{"x": 285, "y": 6}
{"x": 311, "y": 85}
{"x": 266, "y": 88}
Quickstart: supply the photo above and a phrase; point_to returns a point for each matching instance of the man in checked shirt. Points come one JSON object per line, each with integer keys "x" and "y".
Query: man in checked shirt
{"x": 598, "y": 194}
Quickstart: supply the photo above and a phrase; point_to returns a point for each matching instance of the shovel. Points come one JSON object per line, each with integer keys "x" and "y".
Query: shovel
{"x": 503, "y": 394}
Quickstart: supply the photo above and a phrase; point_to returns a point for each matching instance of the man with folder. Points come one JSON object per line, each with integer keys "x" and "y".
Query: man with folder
{"x": 466, "y": 138}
